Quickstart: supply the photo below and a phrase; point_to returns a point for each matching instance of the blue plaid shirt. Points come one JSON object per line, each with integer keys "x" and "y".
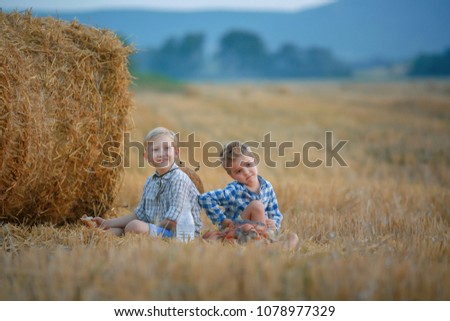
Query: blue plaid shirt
{"x": 229, "y": 202}
{"x": 164, "y": 196}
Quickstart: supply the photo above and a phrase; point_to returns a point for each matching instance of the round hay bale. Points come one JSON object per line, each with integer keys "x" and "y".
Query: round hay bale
{"x": 63, "y": 94}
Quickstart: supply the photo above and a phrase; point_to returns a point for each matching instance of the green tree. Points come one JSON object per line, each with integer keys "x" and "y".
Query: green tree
{"x": 431, "y": 65}
{"x": 242, "y": 53}
{"x": 291, "y": 61}
{"x": 179, "y": 58}
{"x": 286, "y": 62}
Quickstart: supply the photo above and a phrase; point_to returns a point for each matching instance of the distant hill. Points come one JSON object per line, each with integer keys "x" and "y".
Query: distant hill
{"x": 354, "y": 30}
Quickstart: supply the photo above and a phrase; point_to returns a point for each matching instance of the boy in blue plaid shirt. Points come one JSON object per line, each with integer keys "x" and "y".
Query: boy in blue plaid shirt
{"x": 249, "y": 197}
{"x": 165, "y": 192}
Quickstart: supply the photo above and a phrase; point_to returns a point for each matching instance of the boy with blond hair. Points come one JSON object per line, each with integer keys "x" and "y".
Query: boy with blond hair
{"x": 165, "y": 192}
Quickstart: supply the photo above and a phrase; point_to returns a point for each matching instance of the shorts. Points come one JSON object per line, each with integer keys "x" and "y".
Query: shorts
{"x": 155, "y": 231}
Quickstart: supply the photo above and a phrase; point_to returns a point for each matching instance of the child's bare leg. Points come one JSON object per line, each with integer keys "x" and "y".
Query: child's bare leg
{"x": 117, "y": 231}
{"x": 254, "y": 212}
{"x": 136, "y": 226}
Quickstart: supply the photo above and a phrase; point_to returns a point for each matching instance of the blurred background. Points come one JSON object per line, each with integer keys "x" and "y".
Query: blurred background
{"x": 277, "y": 40}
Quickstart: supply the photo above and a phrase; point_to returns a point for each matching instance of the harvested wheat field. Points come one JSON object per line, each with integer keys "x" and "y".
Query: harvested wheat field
{"x": 376, "y": 229}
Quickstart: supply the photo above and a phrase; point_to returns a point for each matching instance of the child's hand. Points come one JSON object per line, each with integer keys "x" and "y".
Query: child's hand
{"x": 270, "y": 223}
{"x": 101, "y": 223}
{"x": 227, "y": 223}
{"x": 88, "y": 221}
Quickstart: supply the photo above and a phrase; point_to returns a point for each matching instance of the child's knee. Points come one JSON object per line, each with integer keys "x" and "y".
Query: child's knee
{"x": 255, "y": 211}
{"x": 136, "y": 226}
{"x": 256, "y": 207}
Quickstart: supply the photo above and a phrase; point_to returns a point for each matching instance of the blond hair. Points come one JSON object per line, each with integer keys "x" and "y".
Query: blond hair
{"x": 158, "y": 131}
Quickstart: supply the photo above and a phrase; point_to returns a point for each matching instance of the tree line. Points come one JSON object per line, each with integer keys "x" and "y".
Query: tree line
{"x": 239, "y": 54}
{"x": 437, "y": 64}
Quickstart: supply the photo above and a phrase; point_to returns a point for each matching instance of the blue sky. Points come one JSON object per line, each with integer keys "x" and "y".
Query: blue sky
{"x": 83, "y": 5}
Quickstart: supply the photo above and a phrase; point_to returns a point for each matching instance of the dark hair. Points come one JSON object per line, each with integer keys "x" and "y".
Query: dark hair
{"x": 231, "y": 151}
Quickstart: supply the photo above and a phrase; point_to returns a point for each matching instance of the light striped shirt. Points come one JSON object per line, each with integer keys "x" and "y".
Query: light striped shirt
{"x": 164, "y": 197}
{"x": 234, "y": 198}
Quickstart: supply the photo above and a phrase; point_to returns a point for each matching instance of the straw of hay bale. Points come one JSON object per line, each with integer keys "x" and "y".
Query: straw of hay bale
{"x": 63, "y": 94}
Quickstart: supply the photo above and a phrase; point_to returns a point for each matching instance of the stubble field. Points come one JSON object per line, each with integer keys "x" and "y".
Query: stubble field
{"x": 375, "y": 229}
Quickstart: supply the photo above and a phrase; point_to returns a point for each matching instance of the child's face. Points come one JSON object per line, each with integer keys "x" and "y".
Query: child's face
{"x": 244, "y": 170}
{"x": 161, "y": 152}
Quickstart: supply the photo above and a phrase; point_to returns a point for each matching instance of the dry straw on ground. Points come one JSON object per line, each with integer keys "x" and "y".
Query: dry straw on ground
{"x": 63, "y": 93}
{"x": 376, "y": 230}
